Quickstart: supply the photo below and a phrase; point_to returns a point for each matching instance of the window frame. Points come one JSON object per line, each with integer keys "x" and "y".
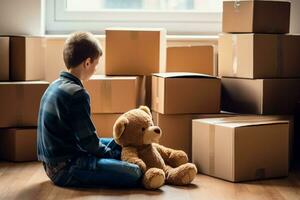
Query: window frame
{"x": 61, "y": 21}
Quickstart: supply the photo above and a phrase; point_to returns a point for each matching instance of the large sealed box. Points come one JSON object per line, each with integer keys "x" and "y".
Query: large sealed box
{"x": 179, "y": 93}
{"x": 177, "y": 129}
{"x": 4, "y": 58}
{"x": 260, "y": 96}
{"x": 27, "y": 58}
{"x": 259, "y": 55}
{"x": 18, "y": 144}
{"x": 134, "y": 51}
{"x": 237, "y": 149}
{"x": 197, "y": 59}
{"x": 115, "y": 94}
{"x": 256, "y": 16}
{"x": 104, "y": 124}
{"x": 20, "y": 102}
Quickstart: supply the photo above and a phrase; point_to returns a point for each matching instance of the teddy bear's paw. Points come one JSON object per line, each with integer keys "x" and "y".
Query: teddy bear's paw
{"x": 188, "y": 174}
{"x": 154, "y": 178}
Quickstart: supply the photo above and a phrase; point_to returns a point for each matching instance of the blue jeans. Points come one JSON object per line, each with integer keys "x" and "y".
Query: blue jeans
{"x": 91, "y": 171}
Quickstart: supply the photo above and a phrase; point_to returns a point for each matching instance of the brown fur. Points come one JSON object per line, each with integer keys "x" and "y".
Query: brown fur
{"x": 136, "y": 133}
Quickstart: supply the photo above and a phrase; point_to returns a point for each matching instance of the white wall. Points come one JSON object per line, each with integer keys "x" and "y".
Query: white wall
{"x": 26, "y": 17}
{"x": 21, "y": 17}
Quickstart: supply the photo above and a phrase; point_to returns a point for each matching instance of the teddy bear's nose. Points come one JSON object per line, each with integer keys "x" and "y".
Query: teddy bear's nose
{"x": 157, "y": 130}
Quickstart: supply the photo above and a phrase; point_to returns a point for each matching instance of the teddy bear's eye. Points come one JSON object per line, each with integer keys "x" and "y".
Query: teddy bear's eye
{"x": 143, "y": 129}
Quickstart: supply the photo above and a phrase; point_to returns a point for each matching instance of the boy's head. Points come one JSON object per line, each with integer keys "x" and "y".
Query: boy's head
{"x": 83, "y": 50}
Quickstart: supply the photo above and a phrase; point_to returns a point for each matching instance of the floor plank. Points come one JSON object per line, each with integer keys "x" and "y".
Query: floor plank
{"x": 29, "y": 181}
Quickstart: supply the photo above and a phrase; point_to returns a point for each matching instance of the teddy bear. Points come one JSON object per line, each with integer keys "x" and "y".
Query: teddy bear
{"x": 139, "y": 137}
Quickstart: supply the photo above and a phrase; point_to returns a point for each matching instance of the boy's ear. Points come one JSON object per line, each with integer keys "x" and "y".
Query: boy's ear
{"x": 87, "y": 62}
{"x": 119, "y": 127}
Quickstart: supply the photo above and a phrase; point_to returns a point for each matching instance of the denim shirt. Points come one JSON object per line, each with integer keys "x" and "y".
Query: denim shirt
{"x": 65, "y": 129}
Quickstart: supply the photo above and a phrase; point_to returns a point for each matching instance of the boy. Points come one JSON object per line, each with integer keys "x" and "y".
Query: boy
{"x": 68, "y": 146}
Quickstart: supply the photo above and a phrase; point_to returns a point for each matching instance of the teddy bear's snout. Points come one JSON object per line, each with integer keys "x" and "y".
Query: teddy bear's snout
{"x": 157, "y": 130}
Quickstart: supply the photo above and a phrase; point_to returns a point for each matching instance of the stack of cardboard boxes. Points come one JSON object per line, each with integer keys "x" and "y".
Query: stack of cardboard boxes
{"x": 21, "y": 88}
{"x": 258, "y": 66}
{"x": 133, "y": 60}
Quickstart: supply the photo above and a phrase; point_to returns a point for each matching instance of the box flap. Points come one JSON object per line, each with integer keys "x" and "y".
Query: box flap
{"x": 182, "y": 75}
{"x": 234, "y": 122}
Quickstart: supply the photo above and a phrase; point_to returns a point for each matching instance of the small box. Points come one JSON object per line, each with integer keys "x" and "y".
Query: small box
{"x": 18, "y": 144}
{"x": 4, "y": 58}
{"x": 197, "y": 59}
{"x": 256, "y": 16}
{"x": 134, "y": 51}
{"x": 259, "y": 56}
{"x": 104, "y": 124}
{"x": 115, "y": 94}
{"x": 177, "y": 129}
{"x": 238, "y": 150}
{"x": 179, "y": 93}
{"x": 27, "y": 58}
{"x": 260, "y": 96}
{"x": 20, "y": 102}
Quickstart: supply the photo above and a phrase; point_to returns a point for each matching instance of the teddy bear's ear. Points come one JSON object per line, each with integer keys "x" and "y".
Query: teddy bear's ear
{"x": 146, "y": 109}
{"x": 119, "y": 127}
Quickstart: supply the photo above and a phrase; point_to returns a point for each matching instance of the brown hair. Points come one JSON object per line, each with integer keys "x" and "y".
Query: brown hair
{"x": 80, "y": 46}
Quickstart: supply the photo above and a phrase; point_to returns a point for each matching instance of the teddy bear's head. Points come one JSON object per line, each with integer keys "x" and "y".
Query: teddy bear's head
{"x": 136, "y": 128}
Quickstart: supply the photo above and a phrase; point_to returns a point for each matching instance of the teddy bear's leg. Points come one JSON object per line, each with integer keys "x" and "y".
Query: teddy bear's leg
{"x": 182, "y": 175}
{"x": 154, "y": 178}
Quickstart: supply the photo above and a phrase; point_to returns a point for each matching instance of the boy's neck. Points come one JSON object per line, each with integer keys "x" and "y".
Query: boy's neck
{"x": 76, "y": 72}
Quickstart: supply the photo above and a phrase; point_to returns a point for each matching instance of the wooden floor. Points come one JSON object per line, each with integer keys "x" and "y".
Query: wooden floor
{"x": 28, "y": 181}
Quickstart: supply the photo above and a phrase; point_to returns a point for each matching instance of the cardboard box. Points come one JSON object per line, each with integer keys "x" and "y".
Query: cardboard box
{"x": 242, "y": 149}
{"x": 20, "y": 102}
{"x": 260, "y": 96}
{"x": 115, "y": 94}
{"x": 256, "y": 16}
{"x": 197, "y": 59}
{"x": 177, "y": 129}
{"x": 27, "y": 58}
{"x": 4, "y": 58}
{"x": 104, "y": 124}
{"x": 18, "y": 144}
{"x": 179, "y": 93}
{"x": 259, "y": 56}
{"x": 134, "y": 51}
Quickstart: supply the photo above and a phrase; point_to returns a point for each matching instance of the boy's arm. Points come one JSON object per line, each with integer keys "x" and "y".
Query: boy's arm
{"x": 84, "y": 129}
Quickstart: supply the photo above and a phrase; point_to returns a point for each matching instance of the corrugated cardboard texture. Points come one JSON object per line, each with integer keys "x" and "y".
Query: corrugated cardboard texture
{"x": 27, "y": 58}
{"x": 18, "y": 144}
{"x": 260, "y": 96}
{"x": 135, "y": 52}
{"x": 4, "y": 58}
{"x": 259, "y": 55}
{"x": 20, "y": 102}
{"x": 104, "y": 124}
{"x": 237, "y": 149}
{"x": 110, "y": 94}
{"x": 198, "y": 59}
{"x": 256, "y": 17}
{"x": 177, "y": 129}
{"x": 179, "y": 95}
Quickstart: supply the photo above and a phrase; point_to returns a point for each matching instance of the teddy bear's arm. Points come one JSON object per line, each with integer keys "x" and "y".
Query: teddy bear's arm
{"x": 172, "y": 157}
{"x": 129, "y": 154}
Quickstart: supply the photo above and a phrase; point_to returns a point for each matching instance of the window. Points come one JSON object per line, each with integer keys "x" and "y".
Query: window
{"x": 177, "y": 16}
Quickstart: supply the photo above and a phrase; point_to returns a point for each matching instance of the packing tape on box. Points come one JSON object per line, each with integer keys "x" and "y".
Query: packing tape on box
{"x": 237, "y": 4}
{"x": 279, "y": 60}
{"x": 211, "y": 152}
{"x": 106, "y": 102}
{"x": 20, "y": 94}
{"x": 234, "y": 55}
